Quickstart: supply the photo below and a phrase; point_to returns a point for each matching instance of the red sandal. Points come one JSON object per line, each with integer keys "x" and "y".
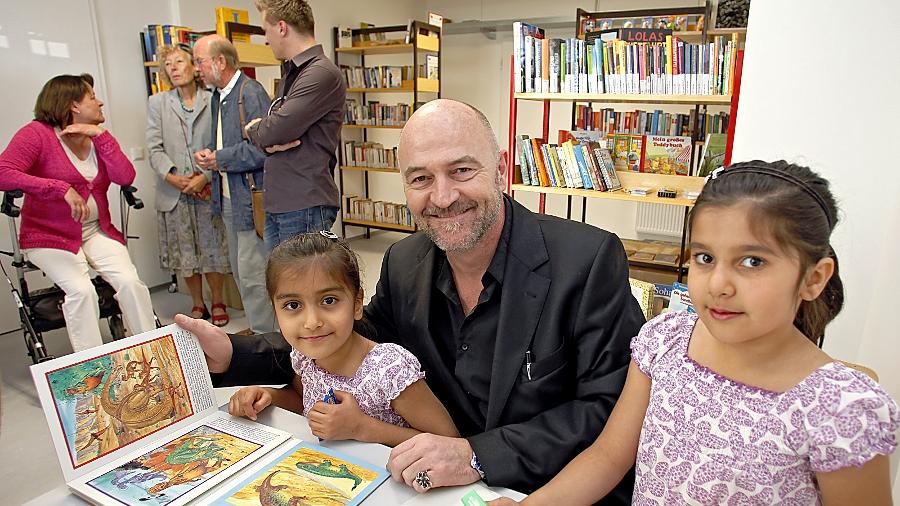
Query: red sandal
{"x": 204, "y": 313}
{"x": 220, "y": 320}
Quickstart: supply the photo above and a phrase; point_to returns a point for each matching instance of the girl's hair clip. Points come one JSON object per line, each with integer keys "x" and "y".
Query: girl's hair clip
{"x": 328, "y": 234}
{"x": 714, "y": 174}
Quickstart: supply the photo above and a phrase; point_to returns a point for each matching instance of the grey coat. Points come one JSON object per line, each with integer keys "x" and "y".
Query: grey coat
{"x": 166, "y": 140}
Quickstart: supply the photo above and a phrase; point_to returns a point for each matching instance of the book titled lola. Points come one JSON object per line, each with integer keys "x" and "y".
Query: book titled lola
{"x": 135, "y": 421}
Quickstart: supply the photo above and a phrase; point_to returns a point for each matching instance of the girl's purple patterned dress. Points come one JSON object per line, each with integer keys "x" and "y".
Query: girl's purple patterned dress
{"x": 385, "y": 372}
{"x": 707, "y": 439}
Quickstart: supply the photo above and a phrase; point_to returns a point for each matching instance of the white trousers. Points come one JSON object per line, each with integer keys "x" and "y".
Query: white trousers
{"x": 247, "y": 253}
{"x": 81, "y": 310}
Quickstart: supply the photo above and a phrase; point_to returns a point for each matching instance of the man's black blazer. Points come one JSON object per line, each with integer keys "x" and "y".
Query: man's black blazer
{"x": 565, "y": 298}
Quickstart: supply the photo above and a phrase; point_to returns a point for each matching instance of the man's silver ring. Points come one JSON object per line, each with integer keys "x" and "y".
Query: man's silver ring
{"x": 423, "y": 480}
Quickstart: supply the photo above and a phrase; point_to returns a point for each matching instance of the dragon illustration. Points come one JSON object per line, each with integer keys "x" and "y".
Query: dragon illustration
{"x": 187, "y": 461}
{"x": 329, "y": 470}
{"x": 95, "y": 436}
{"x": 271, "y": 495}
{"x": 87, "y": 383}
{"x": 145, "y": 404}
{"x": 128, "y": 477}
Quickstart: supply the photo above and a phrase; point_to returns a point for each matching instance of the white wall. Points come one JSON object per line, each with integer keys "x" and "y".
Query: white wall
{"x": 834, "y": 107}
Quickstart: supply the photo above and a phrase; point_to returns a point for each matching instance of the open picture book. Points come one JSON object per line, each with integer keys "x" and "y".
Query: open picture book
{"x": 135, "y": 421}
{"x": 304, "y": 473}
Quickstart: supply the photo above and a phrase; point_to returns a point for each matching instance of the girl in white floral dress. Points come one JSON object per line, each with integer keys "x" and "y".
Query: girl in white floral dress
{"x": 346, "y": 385}
{"x": 736, "y": 404}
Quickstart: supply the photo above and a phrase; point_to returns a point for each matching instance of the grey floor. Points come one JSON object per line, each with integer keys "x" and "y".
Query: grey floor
{"x": 28, "y": 464}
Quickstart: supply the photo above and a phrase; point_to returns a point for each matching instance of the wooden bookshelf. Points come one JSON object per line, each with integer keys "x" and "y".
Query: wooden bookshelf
{"x": 424, "y": 85}
{"x": 369, "y": 169}
{"x": 379, "y": 225}
{"x": 423, "y": 43}
{"x": 629, "y": 179}
{"x": 630, "y": 98}
{"x": 347, "y": 125}
{"x": 421, "y": 48}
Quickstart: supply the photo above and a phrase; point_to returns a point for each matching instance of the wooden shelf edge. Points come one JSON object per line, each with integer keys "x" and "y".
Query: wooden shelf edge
{"x": 255, "y": 55}
{"x": 613, "y": 195}
{"x": 375, "y": 224}
{"x": 363, "y": 168}
{"x": 347, "y": 125}
{"x": 425, "y": 85}
{"x": 613, "y": 97}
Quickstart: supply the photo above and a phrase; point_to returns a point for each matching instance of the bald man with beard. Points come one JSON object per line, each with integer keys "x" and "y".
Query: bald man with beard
{"x": 522, "y": 321}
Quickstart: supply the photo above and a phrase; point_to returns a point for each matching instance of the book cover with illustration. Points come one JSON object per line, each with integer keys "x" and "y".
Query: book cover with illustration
{"x": 713, "y": 153}
{"x": 126, "y": 421}
{"x": 307, "y": 474}
{"x": 667, "y": 154}
{"x": 621, "y": 145}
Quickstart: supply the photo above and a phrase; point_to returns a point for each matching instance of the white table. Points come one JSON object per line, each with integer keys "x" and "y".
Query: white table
{"x": 389, "y": 493}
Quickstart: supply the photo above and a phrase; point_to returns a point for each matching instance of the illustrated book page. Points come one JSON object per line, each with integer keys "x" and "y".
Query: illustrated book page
{"x": 108, "y": 404}
{"x": 306, "y": 474}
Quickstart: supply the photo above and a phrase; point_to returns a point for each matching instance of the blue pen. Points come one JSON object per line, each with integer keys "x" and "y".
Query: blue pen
{"x": 330, "y": 398}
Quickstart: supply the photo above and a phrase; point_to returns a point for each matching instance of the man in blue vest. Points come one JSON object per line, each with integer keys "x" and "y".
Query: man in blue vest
{"x": 237, "y": 99}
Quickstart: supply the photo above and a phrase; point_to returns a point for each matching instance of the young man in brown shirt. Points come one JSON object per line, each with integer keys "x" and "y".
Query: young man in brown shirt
{"x": 302, "y": 129}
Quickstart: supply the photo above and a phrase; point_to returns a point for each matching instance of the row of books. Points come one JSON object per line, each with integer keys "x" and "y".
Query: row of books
{"x": 379, "y": 211}
{"x": 657, "y": 122}
{"x": 376, "y": 113}
{"x": 689, "y": 22}
{"x": 559, "y": 165}
{"x": 159, "y": 35}
{"x": 346, "y": 39}
{"x": 569, "y": 164}
{"x": 595, "y": 65}
{"x": 370, "y": 154}
{"x": 383, "y": 76}
{"x": 667, "y": 154}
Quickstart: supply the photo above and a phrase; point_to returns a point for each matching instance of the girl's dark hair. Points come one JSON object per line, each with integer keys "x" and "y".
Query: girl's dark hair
{"x": 297, "y": 253}
{"x": 54, "y": 103}
{"x": 795, "y": 206}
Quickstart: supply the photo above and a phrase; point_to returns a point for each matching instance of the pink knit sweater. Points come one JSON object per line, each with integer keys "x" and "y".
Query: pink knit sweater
{"x": 35, "y": 162}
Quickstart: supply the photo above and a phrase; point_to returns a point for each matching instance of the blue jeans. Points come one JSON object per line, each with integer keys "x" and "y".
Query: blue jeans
{"x": 282, "y": 226}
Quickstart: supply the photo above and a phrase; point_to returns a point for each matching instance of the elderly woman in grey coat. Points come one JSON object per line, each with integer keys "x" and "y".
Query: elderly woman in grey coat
{"x": 191, "y": 239}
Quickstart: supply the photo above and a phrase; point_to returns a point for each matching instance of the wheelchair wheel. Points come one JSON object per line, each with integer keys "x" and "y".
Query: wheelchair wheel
{"x": 116, "y": 327}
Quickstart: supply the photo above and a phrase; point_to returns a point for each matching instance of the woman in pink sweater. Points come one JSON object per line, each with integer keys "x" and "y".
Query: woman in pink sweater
{"x": 64, "y": 162}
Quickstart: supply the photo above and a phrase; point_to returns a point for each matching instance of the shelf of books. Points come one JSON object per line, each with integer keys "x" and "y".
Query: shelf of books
{"x": 250, "y": 54}
{"x": 352, "y": 125}
{"x": 643, "y": 156}
{"x": 625, "y": 98}
{"x": 363, "y": 114}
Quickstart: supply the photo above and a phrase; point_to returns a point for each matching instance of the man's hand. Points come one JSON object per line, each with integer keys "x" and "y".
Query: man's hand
{"x": 77, "y": 205}
{"x": 335, "y": 422}
{"x": 283, "y": 147}
{"x": 503, "y": 501}
{"x": 196, "y": 183}
{"x": 249, "y": 401}
{"x": 206, "y": 159}
{"x": 82, "y": 129}
{"x": 213, "y": 340}
{"x": 445, "y": 458}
